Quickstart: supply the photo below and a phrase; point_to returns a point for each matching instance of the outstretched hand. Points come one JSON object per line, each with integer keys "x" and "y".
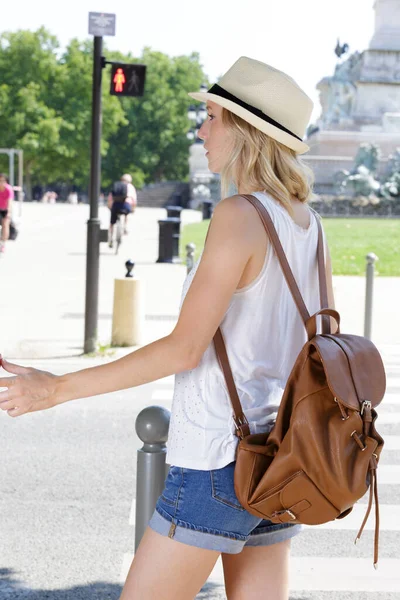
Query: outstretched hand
{"x": 29, "y": 390}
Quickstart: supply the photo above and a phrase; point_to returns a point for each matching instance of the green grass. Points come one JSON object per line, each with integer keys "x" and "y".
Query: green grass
{"x": 101, "y": 351}
{"x": 350, "y": 240}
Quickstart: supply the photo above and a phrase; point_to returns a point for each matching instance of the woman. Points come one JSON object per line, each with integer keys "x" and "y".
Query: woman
{"x": 257, "y": 117}
{"x": 6, "y": 197}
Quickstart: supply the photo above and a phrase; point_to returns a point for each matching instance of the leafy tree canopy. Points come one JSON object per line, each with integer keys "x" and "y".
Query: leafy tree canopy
{"x": 45, "y": 110}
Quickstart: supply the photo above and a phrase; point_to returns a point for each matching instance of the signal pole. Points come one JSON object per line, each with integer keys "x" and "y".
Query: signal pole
{"x": 93, "y": 231}
{"x": 100, "y": 24}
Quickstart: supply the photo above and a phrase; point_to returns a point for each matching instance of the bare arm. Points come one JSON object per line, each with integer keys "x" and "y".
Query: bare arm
{"x": 132, "y": 194}
{"x": 229, "y": 246}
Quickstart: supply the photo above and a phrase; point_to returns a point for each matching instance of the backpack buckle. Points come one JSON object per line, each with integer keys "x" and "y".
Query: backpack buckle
{"x": 283, "y": 515}
{"x": 365, "y": 405}
{"x": 240, "y": 423}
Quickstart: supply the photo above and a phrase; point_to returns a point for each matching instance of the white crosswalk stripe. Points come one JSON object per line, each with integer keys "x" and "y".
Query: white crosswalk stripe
{"x": 392, "y": 398}
{"x": 321, "y": 574}
{"x": 392, "y": 442}
{"x": 393, "y": 381}
{"x": 338, "y": 576}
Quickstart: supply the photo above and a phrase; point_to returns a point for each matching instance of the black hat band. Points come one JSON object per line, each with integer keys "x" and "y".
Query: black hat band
{"x": 219, "y": 91}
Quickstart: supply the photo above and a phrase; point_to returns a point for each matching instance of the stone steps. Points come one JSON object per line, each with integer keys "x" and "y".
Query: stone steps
{"x": 158, "y": 195}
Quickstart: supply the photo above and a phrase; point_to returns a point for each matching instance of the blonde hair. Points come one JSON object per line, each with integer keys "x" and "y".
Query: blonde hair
{"x": 258, "y": 162}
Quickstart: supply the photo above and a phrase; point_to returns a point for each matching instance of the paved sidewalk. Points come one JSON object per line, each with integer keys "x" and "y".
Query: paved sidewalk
{"x": 42, "y": 284}
{"x": 42, "y": 279}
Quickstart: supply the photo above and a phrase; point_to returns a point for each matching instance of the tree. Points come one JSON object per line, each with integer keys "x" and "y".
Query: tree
{"x": 152, "y": 145}
{"x": 45, "y": 106}
{"x": 29, "y": 69}
{"x": 73, "y": 99}
{"x": 45, "y": 110}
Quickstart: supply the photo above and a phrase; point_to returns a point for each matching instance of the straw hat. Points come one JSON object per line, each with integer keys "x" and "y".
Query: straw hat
{"x": 266, "y": 98}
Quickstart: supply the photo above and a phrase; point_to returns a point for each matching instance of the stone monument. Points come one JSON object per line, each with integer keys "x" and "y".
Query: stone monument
{"x": 361, "y": 101}
{"x": 204, "y": 185}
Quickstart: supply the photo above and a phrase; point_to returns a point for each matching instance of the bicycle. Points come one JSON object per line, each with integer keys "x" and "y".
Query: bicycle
{"x": 117, "y": 234}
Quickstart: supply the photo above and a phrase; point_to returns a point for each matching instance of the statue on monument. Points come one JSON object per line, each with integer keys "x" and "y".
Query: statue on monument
{"x": 338, "y": 93}
{"x": 339, "y": 50}
{"x": 361, "y": 181}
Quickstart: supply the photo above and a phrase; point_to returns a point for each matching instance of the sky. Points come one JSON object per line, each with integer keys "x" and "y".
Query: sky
{"x": 295, "y": 36}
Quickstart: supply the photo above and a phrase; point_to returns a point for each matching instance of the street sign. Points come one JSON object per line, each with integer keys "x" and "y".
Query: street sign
{"x": 101, "y": 24}
{"x": 127, "y": 79}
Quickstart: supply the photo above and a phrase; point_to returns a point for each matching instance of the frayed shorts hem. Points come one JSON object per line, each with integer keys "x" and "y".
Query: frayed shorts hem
{"x": 220, "y": 541}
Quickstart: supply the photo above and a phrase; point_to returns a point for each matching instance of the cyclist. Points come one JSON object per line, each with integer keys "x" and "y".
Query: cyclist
{"x": 6, "y": 196}
{"x": 122, "y": 200}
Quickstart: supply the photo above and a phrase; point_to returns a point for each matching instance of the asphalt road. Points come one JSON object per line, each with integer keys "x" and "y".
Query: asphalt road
{"x": 67, "y": 500}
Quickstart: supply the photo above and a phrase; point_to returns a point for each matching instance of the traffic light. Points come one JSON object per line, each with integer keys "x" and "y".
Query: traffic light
{"x": 127, "y": 79}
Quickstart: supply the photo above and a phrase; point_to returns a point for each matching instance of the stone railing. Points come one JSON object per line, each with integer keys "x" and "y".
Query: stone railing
{"x": 343, "y": 206}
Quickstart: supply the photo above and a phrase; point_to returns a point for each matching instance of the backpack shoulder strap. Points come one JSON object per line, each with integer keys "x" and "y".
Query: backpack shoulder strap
{"x": 323, "y": 288}
{"x": 242, "y": 426}
{"x": 287, "y": 271}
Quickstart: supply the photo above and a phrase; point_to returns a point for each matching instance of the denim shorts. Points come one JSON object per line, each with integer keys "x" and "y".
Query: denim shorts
{"x": 200, "y": 508}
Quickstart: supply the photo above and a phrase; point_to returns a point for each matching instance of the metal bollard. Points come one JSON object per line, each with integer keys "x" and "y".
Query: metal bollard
{"x": 190, "y": 250}
{"x": 128, "y": 310}
{"x": 371, "y": 259}
{"x": 152, "y": 426}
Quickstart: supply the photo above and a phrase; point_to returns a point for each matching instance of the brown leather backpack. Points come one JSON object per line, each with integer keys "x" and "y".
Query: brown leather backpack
{"x": 323, "y": 451}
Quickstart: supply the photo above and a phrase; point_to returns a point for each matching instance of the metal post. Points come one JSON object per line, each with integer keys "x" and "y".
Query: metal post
{"x": 93, "y": 232}
{"x": 371, "y": 259}
{"x": 20, "y": 180}
{"x": 190, "y": 250}
{"x": 152, "y": 426}
{"x": 11, "y": 168}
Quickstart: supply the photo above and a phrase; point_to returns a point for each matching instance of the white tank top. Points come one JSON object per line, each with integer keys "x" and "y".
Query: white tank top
{"x": 263, "y": 333}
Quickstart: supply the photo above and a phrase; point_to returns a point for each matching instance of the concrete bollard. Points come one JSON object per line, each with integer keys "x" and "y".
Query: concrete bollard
{"x": 369, "y": 289}
{"x": 152, "y": 426}
{"x": 190, "y": 250}
{"x": 128, "y": 310}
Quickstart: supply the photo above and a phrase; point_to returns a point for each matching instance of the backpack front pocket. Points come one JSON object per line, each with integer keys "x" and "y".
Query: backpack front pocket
{"x": 296, "y": 500}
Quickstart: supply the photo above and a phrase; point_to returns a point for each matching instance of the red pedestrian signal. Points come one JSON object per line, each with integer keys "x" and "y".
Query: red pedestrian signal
{"x": 127, "y": 80}
{"x": 119, "y": 81}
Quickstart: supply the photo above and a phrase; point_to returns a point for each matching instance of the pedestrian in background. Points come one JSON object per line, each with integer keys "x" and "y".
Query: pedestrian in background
{"x": 257, "y": 117}
{"x": 6, "y": 198}
{"x": 122, "y": 200}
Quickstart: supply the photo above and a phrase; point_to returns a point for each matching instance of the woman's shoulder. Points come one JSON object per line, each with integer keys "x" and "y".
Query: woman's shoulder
{"x": 236, "y": 221}
{"x": 236, "y": 201}
{"x": 235, "y": 206}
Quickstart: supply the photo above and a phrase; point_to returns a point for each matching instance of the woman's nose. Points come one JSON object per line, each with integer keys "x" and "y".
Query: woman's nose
{"x": 201, "y": 134}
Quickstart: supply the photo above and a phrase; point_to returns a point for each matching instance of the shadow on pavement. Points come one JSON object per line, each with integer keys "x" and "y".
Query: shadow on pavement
{"x": 212, "y": 591}
{"x": 12, "y": 589}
